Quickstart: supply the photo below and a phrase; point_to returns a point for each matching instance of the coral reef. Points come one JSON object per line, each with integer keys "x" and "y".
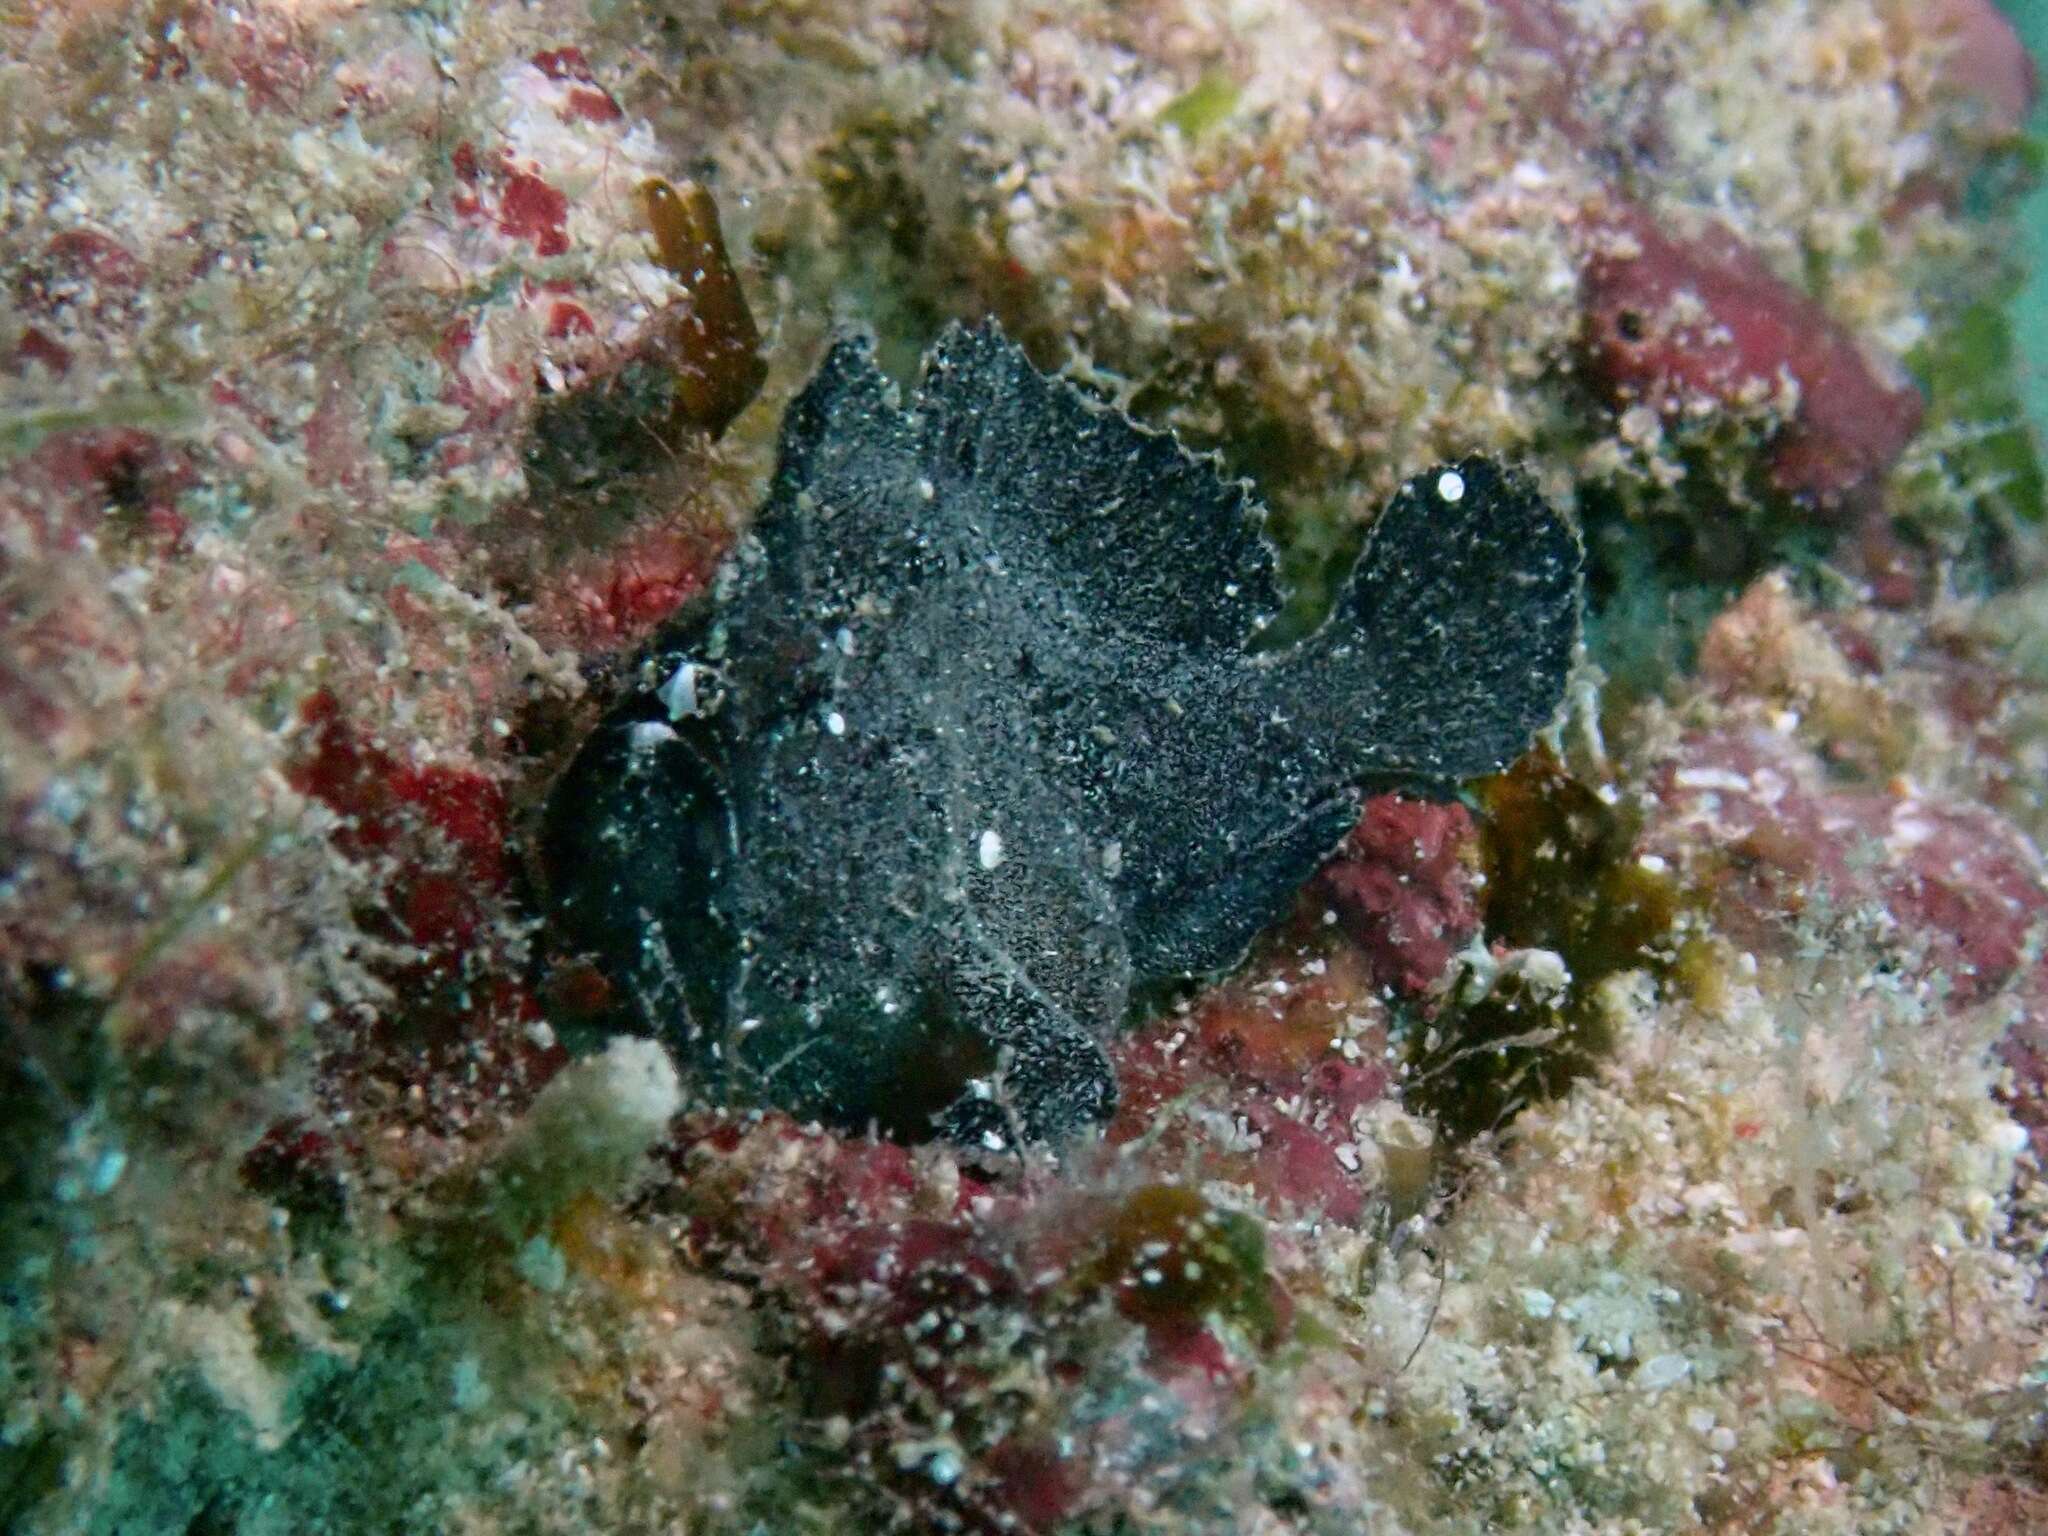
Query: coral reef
{"x": 1645, "y": 1139}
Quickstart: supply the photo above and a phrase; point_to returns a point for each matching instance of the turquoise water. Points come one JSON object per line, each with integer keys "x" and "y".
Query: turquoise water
{"x": 2031, "y": 313}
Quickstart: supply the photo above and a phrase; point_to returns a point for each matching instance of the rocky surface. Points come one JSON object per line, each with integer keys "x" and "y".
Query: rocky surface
{"x": 1644, "y": 1140}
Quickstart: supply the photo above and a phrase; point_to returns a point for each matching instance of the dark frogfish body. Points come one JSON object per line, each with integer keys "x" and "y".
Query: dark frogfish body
{"x": 972, "y": 742}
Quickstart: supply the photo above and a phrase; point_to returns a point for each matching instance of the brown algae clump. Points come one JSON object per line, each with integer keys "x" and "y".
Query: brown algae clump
{"x": 1573, "y": 904}
{"x": 719, "y": 368}
{"x": 1172, "y": 1259}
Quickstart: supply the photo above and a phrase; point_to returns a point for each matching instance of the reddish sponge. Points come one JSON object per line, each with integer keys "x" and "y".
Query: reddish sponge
{"x": 1672, "y": 322}
{"x": 1405, "y": 885}
{"x": 1984, "y": 62}
{"x": 1755, "y": 816}
{"x": 439, "y": 901}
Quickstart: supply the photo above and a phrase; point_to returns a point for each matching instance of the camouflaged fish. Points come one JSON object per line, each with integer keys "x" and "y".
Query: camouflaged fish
{"x": 974, "y": 740}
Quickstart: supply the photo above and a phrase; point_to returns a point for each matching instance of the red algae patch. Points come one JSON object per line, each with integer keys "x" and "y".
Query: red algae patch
{"x": 1700, "y": 327}
{"x": 1405, "y": 885}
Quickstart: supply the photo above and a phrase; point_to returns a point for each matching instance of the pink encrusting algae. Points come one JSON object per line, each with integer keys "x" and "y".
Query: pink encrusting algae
{"x": 1643, "y": 1139}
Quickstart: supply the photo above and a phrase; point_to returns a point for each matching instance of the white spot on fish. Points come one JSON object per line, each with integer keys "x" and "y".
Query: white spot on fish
{"x": 679, "y": 693}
